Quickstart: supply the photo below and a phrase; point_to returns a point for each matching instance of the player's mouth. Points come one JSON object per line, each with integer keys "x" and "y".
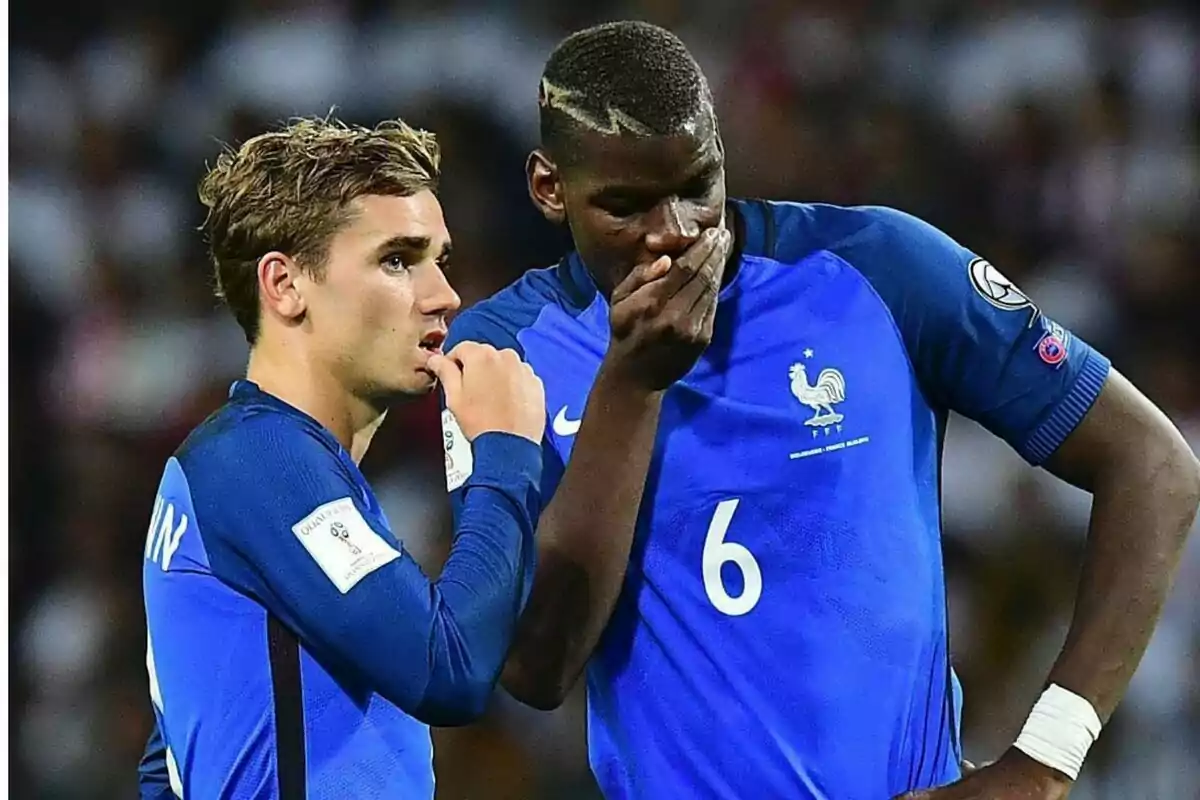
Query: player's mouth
{"x": 432, "y": 342}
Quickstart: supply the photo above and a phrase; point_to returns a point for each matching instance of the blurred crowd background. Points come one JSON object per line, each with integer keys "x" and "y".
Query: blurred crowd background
{"x": 1057, "y": 138}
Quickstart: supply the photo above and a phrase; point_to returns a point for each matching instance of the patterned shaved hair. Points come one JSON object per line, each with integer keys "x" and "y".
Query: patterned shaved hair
{"x": 289, "y": 190}
{"x": 623, "y": 78}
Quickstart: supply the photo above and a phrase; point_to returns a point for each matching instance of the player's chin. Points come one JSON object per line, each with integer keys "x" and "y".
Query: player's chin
{"x": 411, "y": 382}
{"x": 408, "y": 391}
{"x": 425, "y": 382}
{"x": 418, "y": 382}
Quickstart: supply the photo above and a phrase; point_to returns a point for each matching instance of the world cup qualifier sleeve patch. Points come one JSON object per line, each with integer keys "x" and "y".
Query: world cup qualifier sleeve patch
{"x": 342, "y": 543}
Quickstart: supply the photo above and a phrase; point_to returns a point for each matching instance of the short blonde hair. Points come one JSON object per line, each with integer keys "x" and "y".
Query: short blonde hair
{"x": 288, "y": 190}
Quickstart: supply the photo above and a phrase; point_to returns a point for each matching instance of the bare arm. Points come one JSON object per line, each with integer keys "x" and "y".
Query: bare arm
{"x": 662, "y": 318}
{"x": 1145, "y": 483}
{"x": 584, "y": 538}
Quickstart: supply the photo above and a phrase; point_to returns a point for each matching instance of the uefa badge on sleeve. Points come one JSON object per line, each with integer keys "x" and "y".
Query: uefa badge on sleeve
{"x": 1052, "y": 346}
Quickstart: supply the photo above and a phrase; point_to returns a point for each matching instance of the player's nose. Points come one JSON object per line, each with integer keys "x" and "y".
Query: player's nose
{"x": 673, "y": 228}
{"x": 437, "y": 296}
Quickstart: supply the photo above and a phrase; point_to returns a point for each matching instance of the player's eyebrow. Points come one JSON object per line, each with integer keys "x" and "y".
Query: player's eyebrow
{"x": 447, "y": 249}
{"x": 414, "y": 245}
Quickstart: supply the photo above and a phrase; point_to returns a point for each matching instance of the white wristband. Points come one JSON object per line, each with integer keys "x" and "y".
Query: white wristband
{"x": 1060, "y": 730}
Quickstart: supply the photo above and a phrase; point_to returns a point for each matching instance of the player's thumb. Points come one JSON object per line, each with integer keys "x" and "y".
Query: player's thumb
{"x": 449, "y": 375}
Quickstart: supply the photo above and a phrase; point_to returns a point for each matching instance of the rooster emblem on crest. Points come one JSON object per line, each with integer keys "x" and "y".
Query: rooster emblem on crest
{"x": 829, "y": 390}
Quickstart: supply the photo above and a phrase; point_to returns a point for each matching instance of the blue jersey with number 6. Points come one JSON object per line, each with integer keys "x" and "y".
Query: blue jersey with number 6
{"x": 782, "y": 631}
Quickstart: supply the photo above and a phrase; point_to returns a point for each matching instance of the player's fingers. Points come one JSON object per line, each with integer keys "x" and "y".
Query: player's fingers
{"x": 703, "y": 298}
{"x": 668, "y": 276}
{"x": 530, "y": 371}
{"x": 509, "y": 357}
{"x": 459, "y": 349}
{"x": 464, "y": 353}
{"x": 642, "y": 275}
{"x": 688, "y": 266}
{"x": 645, "y": 300}
{"x": 449, "y": 375}
{"x": 707, "y": 283}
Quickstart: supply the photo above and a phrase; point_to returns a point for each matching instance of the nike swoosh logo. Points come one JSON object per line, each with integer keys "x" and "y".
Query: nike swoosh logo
{"x": 566, "y": 427}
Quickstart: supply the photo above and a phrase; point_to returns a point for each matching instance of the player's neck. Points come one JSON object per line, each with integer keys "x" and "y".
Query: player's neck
{"x": 315, "y": 391}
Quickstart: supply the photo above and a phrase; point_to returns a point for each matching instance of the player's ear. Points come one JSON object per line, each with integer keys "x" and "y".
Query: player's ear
{"x": 545, "y": 186}
{"x": 277, "y": 285}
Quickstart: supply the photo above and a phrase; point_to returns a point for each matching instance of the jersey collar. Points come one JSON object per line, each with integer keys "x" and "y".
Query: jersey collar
{"x": 247, "y": 391}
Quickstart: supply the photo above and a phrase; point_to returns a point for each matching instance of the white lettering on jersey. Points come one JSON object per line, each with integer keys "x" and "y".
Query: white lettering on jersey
{"x": 343, "y": 543}
{"x": 163, "y": 536}
{"x": 460, "y": 461}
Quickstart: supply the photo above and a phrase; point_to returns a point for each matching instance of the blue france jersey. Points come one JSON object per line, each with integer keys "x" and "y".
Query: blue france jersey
{"x": 294, "y": 649}
{"x": 782, "y": 631}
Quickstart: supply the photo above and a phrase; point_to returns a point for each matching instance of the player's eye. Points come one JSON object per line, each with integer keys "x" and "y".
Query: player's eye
{"x": 622, "y": 210}
{"x": 625, "y": 206}
{"x": 395, "y": 262}
{"x": 443, "y": 263}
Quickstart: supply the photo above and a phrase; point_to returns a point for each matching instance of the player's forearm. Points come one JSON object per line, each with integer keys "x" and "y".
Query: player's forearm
{"x": 478, "y": 597}
{"x": 584, "y": 539}
{"x": 1144, "y": 505}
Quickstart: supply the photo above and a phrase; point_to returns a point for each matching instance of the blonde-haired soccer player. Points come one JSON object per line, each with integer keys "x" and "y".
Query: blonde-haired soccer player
{"x": 295, "y": 650}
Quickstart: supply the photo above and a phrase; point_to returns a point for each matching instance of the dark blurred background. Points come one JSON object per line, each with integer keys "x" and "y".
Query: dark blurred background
{"x": 1057, "y": 138}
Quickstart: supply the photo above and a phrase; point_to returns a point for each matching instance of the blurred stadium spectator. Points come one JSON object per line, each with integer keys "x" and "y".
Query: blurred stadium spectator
{"x": 1061, "y": 138}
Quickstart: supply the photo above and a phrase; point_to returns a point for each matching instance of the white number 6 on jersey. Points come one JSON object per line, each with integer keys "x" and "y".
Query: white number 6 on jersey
{"x": 717, "y": 552}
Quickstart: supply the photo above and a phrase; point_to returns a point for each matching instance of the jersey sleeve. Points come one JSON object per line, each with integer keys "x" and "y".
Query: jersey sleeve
{"x": 303, "y": 541}
{"x": 978, "y": 345}
{"x": 473, "y": 326}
